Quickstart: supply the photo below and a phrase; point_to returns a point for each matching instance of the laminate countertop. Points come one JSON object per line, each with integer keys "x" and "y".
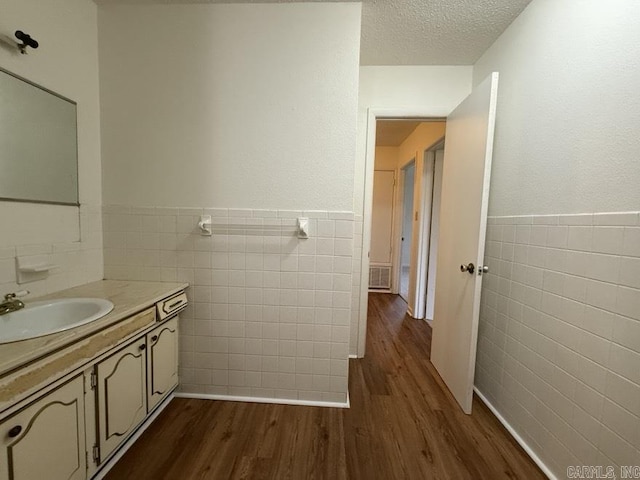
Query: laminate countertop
{"x": 128, "y": 298}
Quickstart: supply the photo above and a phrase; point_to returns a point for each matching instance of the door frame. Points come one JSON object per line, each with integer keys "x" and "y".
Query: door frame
{"x": 399, "y": 226}
{"x": 425, "y": 253}
{"x": 373, "y": 115}
{"x": 424, "y": 226}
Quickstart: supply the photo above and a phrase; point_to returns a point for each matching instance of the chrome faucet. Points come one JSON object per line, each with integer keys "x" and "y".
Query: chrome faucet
{"x": 11, "y": 302}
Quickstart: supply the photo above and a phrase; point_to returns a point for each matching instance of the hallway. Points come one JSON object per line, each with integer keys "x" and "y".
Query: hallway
{"x": 402, "y": 424}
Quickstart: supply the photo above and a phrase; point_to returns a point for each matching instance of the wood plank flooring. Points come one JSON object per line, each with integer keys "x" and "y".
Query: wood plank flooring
{"x": 402, "y": 424}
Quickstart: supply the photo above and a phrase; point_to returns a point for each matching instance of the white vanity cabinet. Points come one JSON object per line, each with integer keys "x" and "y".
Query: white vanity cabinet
{"x": 90, "y": 398}
{"x": 162, "y": 362}
{"x": 122, "y": 395}
{"x": 132, "y": 382}
{"x": 46, "y": 439}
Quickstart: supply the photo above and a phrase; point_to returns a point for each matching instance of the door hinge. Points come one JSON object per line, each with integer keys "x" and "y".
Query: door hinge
{"x": 94, "y": 380}
{"x": 96, "y": 454}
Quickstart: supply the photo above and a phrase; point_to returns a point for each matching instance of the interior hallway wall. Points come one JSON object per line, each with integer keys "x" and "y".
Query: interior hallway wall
{"x": 248, "y": 113}
{"x": 67, "y": 63}
{"x": 395, "y": 158}
{"x": 559, "y": 340}
{"x": 422, "y": 138}
{"x": 386, "y": 158}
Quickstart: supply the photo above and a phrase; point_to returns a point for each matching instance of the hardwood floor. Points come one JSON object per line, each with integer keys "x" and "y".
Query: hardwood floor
{"x": 402, "y": 424}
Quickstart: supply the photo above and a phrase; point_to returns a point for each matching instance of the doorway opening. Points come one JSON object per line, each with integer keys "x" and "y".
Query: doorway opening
{"x": 402, "y": 211}
{"x": 461, "y": 232}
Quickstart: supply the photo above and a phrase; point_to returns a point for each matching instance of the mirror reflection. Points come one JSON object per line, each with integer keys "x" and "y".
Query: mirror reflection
{"x": 38, "y": 143}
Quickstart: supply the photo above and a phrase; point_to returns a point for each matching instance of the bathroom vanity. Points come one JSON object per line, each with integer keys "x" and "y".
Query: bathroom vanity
{"x": 70, "y": 400}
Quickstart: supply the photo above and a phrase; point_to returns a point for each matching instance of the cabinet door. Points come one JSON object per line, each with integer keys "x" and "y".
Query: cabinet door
{"x": 46, "y": 439}
{"x": 122, "y": 395}
{"x": 162, "y": 361}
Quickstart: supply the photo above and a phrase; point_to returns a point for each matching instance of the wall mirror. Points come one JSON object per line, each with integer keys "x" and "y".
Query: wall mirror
{"x": 38, "y": 143}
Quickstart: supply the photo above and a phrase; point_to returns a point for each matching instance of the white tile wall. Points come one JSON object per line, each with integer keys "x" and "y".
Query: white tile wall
{"x": 355, "y": 292}
{"x": 269, "y": 314}
{"x": 76, "y": 262}
{"x": 559, "y": 338}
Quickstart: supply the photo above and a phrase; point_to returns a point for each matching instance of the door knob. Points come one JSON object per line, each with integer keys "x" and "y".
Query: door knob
{"x": 483, "y": 269}
{"x": 468, "y": 268}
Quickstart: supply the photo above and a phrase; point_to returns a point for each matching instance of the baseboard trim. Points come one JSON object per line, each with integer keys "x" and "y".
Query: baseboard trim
{"x": 104, "y": 469}
{"x": 282, "y": 401}
{"x": 353, "y": 355}
{"x": 516, "y": 436}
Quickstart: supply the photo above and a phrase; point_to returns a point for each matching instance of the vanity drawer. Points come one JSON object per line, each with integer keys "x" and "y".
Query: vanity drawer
{"x": 171, "y": 306}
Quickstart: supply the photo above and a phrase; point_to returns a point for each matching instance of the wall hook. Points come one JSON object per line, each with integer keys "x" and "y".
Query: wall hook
{"x": 26, "y": 40}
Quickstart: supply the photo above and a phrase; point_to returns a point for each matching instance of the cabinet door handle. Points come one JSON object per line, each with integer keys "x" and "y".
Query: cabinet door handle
{"x": 154, "y": 338}
{"x": 15, "y": 431}
{"x": 143, "y": 346}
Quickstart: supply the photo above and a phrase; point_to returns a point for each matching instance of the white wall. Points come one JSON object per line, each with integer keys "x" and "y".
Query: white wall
{"x": 67, "y": 63}
{"x": 243, "y": 106}
{"x": 567, "y": 109}
{"x": 401, "y": 87}
{"x": 559, "y": 339}
{"x": 248, "y": 113}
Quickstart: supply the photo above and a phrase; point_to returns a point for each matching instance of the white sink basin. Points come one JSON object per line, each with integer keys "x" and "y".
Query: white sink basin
{"x": 44, "y": 318}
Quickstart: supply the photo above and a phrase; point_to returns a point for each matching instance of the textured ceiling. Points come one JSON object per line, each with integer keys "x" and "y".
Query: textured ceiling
{"x": 416, "y": 32}
{"x": 433, "y": 32}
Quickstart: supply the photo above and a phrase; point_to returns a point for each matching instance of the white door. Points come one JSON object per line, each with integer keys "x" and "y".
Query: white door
{"x": 463, "y": 221}
{"x": 46, "y": 439}
{"x": 408, "y": 185}
{"x": 434, "y": 234}
{"x": 162, "y": 362}
{"x": 381, "y": 230}
{"x": 382, "y": 216}
{"x": 122, "y": 395}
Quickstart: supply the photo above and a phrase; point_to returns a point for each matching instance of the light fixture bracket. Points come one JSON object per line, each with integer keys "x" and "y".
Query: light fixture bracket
{"x": 26, "y": 41}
